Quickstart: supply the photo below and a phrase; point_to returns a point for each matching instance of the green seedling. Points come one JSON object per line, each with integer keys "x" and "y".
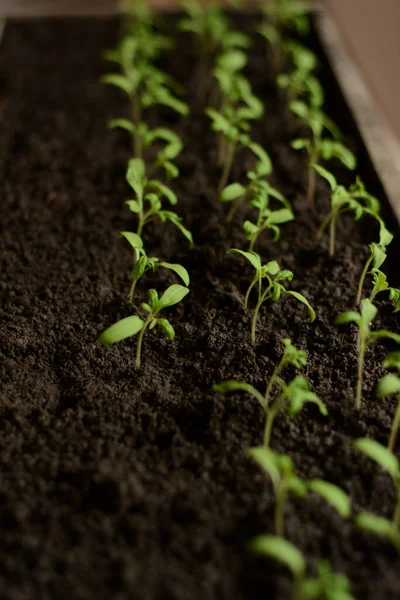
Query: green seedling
{"x": 280, "y": 468}
{"x": 355, "y": 199}
{"x": 130, "y": 326}
{"x": 233, "y": 124}
{"x": 377, "y": 256}
{"x": 301, "y": 82}
{"x": 281, "y": 15}
{"x": 389, "y": 463}
{"x": 150, "y": 193}
{"x": 291, "y": 396}
{"x": 363, "y": 321}
{"x": 326, "y": 586}
{"x": 380, "y": 285}
{"x": 319, "y": 148}
{"x": 147, "y": 137}
{"x": 144, "y": 263}
{"x": 389, "y": 385}
{"x": 144, "y": 84}
{"x": 268, "y": 280}
{"x": 267, "y": 218}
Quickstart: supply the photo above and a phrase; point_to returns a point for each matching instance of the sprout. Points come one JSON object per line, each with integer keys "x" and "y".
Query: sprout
{"x": 355, "y": 199}
{"x": 366, "y": 337}
{"x": 133, "y": 325}
{"x": 377, "y": 255}
{"x": 389, "y": 385}
{"x": 272, "y": 277}
{"x": 389, "y": 463}
{"x": 317, "y": 147}
{"x": 150, "y": 193}
{"x": 301, "y": 81}
{"x": 144, "y": 263}
{"x": 291, "y": 397}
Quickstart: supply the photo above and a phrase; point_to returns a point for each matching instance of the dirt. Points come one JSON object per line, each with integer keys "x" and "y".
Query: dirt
{"x": 124, "y": 484}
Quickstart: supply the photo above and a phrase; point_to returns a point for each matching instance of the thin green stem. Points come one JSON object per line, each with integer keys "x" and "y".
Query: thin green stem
{"x": 228, "y": 166}
{"x": 254, "y": 321}
{"x": 140, "y": 340}
{"x": 362, "y": 279}
{"x": 312, "y": 185}
{"x": 332, "y": 236}
{"x": 395, "y": 425}
{"x": 360, "y": 369}
{"x": 269, "y": 421}
{"x": 132, "y": 290}
{"x": 273, "y": 377}
{"x": 234, "y": 206}
{"x": 324, "y": 225}
{"x": 246, "y": 299}
{"x": 137, "y": 140}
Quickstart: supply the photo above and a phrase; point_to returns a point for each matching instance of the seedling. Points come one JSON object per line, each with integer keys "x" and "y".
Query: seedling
{"x": 389, "y": 385}
{"x": 130, "y": 326}
{"x": 301, "y": 81}
{"x": 149, "y": 196}
{"x": 326, "y": 586}
{"x": 380, "y": 285}
{"x": 269, "y": 280}
{"x": 317, "y": 147}
{"x": 291, "y": 397}
{"x": 267, "y": 218}
{"x": 233, "y": 123}
{"x": 144, "y": 263}
{"x": 147, "y": 137}
{"x": 355, "y": 199}
{"x": 280, "y": 468}
{"x": 144, "y": 84}
{"x": 363, "y": 321}
{"x": 377, "y": 256}
{"x": 389, "y": 463}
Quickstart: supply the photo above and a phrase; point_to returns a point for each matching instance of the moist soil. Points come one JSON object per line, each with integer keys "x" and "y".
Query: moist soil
{"x": 118, "y": 483}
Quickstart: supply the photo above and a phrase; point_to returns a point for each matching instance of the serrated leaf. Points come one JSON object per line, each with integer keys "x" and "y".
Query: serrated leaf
{"x": 335, "y": 496}
{"x": 121, "y": 330}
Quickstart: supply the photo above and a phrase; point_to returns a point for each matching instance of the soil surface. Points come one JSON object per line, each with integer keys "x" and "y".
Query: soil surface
{"x": 124, "y": 484}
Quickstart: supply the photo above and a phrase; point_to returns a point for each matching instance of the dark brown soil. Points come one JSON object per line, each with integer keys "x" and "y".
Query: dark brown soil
{"x": 123, "y": 484}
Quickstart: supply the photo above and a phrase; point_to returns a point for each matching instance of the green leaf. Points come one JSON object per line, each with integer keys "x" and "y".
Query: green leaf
{"x": 179, "y": 270}
{"x": 226, "y": 387}
{"x": 267, "y": 460}
{"x": 174, "y": 294}
{"x": 378, "y": 525}
{"x": 348, "y": 317}
{"x": 135, "y": 175}
{"x": 283, "y": 215}
{"x": 388, "y": 385}
{"x": 122, "y": 124}
{"x": 326, "y": 175}
{"x": 303, "y": 300}
{"x": 163, "y": 190}
{"x": 232, "y": 60}
{"x": 384, "y": 334}
{"x": 281, "y": 551}
{"x": 232, "y": 192}
{"x": 169, "y": 330}
{"x": 264, "y": 165}
{"x": 133, "y": 238}
{"x": 252, "y": 257}
{"x": 119, "y": 81}
{"x": 300, "y": 144}
{"x": 368, "y": 310}
{"x": 381, "y": 455}
{"x": 335, "y": 496}
{"x": 121, "y": 330}
{"x": 392, "y": 361}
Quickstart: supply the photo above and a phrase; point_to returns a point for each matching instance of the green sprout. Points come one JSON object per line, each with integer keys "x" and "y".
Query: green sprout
{"x": 301, "y": 81}
{"x": 363, "y": 321}
{"x": 130, "y": 326}
{"x": 144, "y": 84}
{"x": 281, "y": 15}
{"x": 377, "y": 256}
{"x": 291, "y": 396}
{"x": 326, "y": 586}
{"x": 388, "y": 462}
{"x": 389, "y": 385}
{"x": 144, "y": 263}
{"x": 355, "y": 199}
{"x": 380, "y": 285}
{"x": 148, "y": 202}
{"x": 233, "y": 123}
{"x": 317, "y": 147}
{"x": 285, "y": 482}
{"x": 271, "y": 275}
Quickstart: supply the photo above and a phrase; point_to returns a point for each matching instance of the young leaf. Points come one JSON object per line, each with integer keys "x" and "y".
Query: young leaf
{"x": 169, "y": 330}
{"x": 179, "y": 270}
{"x": 134, "y": 240}
{"x": 304, "y": 300}
{"x": 332, "y": 494}
{"x": 174, "y": 294}
{"x": 347, "y": 317}
{"x": 326, "y": 175}
{"x": 374, "y": 524}
{"x": 281, "y": 551}
{"x": 252, "y": 257}
{"x": 121, "y": 330}
{"x": 388, "y": 385}
{"x": 232, "y": 192}
{"x": 267, "y": 460}
{"x": 381, "y": 455}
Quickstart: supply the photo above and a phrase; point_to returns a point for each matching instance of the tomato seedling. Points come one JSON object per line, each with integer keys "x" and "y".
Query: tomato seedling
{"x": 377, "y": 256}
{"x": 389, "y": 385}
{"x": 301, "y": 82}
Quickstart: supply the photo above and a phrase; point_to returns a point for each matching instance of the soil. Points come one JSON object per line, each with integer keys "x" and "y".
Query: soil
{"x": 124, "y": 484}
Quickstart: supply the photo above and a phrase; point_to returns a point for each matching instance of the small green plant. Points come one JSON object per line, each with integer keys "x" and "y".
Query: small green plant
{"x": 380, "y": 285}
{"x": 147, "y": 204}
{"x": 377, "y": 256}
{"x": 326, "y": 586}
{"x": 268, "y": 280}
{"x": 130, "y": 326}
{"x": 144, "y": 263}
{"x": 355, "y": 199}
{"x": 301, "y": 81}
{"x": 363, "y": 321}
{"x": 319, "y": 148}
{"x": 291, "y": 396}
{"x": 389, "y": 463}
{"x": 389, "y": 385}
